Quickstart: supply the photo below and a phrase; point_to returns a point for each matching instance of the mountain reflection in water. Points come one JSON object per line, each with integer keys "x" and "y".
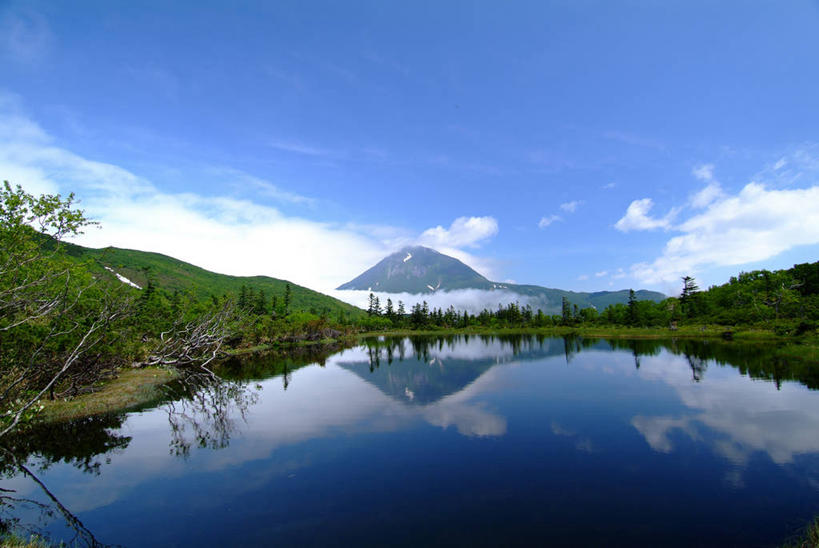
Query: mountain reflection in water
{"x": 507, "y": 439}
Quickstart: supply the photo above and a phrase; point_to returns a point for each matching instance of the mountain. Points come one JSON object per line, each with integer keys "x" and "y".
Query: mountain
{"x": 135, "y": 268}
{"x": 420, "y": 270}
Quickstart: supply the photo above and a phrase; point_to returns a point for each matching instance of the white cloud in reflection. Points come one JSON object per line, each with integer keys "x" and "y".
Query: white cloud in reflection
{"x": 747, "y": 416}
{"x": 348, "y": 404}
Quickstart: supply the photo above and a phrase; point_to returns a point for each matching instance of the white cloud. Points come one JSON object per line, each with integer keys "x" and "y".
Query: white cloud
{"x": 712, "y": 190}
{"x": 245, "y": 181}
{"x": 707, "y": 195}
{"x": 222, "y": 234}
{"x": 583, "y": 277}
{"x": 297, "y": 147}
{"x": 601, "y": 273}
{"x": 781, "y": 422}
{"x": 754, "y": 225}
{"x": 609, "y": 186}
{"x": 637, "y": 218}
{"x": 471, "y": 300}
{"x": 571, "y": 207}
{"x": 463, "y": 232}
{"x": 568, "y": 207}
{"x": 704, "y": 172}
{"x": 546, "y": 221}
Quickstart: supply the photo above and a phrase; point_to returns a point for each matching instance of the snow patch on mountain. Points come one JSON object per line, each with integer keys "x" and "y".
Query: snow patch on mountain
{"x": 121, "y": 278}
{"x": 408, "y": 257}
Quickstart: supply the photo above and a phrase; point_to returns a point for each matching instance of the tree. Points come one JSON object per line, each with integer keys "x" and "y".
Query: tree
{"x": 566, "y": 311}
{"x": 260, "y": 307}
{"x": 633, "y": 318}
{"x": 243, "y": 297}
{"x": 52, "y": 312}
{"x": 63, "y": 326}
{"x": 287, "y": 298}
{"x": 689, "y": 290}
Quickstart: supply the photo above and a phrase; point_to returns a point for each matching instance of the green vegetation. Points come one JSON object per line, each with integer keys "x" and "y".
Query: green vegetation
{"x": 129, "y": 389}
{"x": 70, "y": 324}
{"x": 15, "y": 541}
{"x": 783, "y": 303}
{"x": 182, "y": 282}
{"x": 808, "y": 538}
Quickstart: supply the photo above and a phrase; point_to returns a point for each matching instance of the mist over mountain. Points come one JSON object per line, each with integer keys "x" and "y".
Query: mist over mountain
{"x": 420, "y": 273}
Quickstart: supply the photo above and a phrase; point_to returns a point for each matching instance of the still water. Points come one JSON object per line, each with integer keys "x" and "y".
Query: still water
{"x": 462, "y": 440}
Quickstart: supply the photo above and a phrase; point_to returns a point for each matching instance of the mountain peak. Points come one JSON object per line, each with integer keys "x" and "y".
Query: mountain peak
{"x": 417, "y": 269}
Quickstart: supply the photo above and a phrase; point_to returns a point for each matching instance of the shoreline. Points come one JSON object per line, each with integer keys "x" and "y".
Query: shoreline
{"x": 134, "y": 388}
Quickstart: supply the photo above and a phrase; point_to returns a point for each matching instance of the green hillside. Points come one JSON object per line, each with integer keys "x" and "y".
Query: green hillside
{"x": 550, "y": 300}
{"x": 174, "y": 275}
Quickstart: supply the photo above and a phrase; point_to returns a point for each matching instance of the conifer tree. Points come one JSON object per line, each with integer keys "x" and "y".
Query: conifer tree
{"x": 632, "y": 308}
{"x": 287, "y": 298}
{"x": 261, "y": 303}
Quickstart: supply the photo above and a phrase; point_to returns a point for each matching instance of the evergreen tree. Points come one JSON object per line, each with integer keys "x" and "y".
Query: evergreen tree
{"x": 287, "y": 298}
{"x": 632, "y": 308}
{"x": 689, "y": 291}
{"x": 261, "y": 303}
{"x": 566, "y": 310}
{"x": 243, "y": 297}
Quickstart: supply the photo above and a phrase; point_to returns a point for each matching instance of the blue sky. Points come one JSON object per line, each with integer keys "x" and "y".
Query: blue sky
{"x": 580, "y": 145}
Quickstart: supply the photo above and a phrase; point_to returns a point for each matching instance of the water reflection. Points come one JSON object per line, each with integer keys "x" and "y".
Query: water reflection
{"x": 574, "y": 404}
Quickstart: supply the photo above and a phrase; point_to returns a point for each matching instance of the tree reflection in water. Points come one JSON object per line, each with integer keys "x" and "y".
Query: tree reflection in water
{"x": 204, "y": 411}
{"x": 11, "y": 507}
{"x": 211, "y": 413}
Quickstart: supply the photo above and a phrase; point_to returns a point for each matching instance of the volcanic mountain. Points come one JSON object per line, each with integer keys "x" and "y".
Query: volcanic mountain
{"x": 423, "y": 270}
{"x": 418, "y": 270}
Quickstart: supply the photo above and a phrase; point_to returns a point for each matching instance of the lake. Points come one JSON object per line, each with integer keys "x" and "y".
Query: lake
{"x": 467, "y": 440}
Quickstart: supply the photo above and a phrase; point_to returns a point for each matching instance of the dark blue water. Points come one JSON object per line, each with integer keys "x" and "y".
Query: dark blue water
{"x": 478, "y": 441}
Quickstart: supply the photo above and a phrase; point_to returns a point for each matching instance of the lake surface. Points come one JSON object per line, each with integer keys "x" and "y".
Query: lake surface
{"x": 439, "y": 441}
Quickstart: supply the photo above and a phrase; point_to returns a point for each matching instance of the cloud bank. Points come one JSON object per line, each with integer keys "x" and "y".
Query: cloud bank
{"x": 472, "y": 300}
{"x": 223, "y": 234}
{"x": 755, "y": 224}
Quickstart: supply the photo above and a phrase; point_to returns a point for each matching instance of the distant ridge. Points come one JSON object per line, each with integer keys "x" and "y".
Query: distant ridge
{"x": 420, "y": 270}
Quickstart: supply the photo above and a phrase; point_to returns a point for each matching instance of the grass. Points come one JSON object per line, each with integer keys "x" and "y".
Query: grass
{"x": 808, "y": 538}
{"x": 131, "y": 388}
{"x": 604, "y": 331}
{"x": 15, "y": 541}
